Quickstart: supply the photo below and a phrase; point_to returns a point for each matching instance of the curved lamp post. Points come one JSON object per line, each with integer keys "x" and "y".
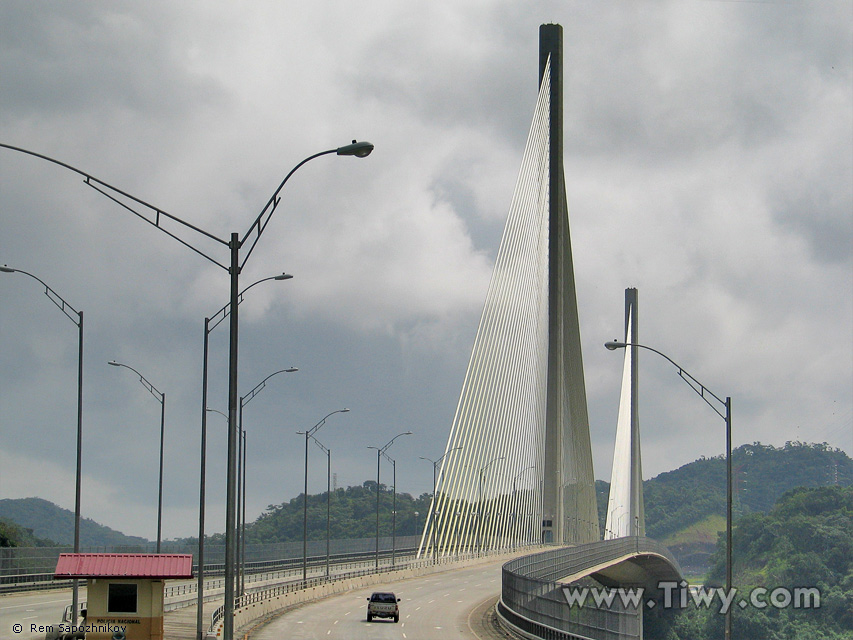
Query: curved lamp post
{"x": 241, "y": 479}
{"x": 157, "y": 217}
{"x": 209, "y": 325}
{"x": 433, "y": 513}
{"x": 515, "y": 502}
{"x": 310, "y": 434}
{"x": 726, "y": 414}
{"x": 480, "y": 509}
{"x": 161, "y": 398}
{"x": 77, "y": 318}
{"x": 380, "y": 451}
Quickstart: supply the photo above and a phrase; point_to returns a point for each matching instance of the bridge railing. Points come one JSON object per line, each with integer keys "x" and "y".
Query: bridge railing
{"x": 29, "y": 568}
{"x": 532, "y": 600}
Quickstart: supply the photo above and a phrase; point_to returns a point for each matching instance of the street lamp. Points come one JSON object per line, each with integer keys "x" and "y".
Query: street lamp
{"x": 215, "y": 319}
{"x": 310, "y": 434}
{"x": 433, "y": 523}
{"x": 161, "y": 398}
{"x": 393, "y": 508}
{"x": 241, "y": 492}
{"x": 515, "y": 503}
{"x": 328, "y": 453}
{"x": 380, "y": 451}
{"x": 726, "y": 414}
{"x": 70, "y": 312}
{"x": 156, "y": 217}
{"x": 480, "y": 509}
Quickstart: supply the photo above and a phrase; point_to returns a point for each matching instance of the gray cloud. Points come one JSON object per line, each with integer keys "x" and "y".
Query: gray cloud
{"x": 708, "y": 163}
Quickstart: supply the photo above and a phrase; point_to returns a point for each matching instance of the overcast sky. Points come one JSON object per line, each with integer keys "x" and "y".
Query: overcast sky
{"x": 708, "y": 163}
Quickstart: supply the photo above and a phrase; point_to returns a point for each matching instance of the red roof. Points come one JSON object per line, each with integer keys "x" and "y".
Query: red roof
{"x": 124, "y": 565}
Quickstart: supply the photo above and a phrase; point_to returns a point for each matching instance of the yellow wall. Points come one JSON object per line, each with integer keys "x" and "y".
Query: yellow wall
{"x": 145, "y": 624}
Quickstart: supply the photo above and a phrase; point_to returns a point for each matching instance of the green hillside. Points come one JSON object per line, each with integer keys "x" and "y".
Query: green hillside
{"x": 353, "y": 515}
{"x": 687, "y": 506}
{"x": 13, "y": 535}
{"x": 46, "y": 520}
{"x": 805, "y": 541}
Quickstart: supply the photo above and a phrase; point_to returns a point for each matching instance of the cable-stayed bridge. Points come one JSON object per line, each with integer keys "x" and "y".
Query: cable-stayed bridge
{"x": 517, "y": 468}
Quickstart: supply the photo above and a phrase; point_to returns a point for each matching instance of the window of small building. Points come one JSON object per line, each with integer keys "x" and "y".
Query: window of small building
{"x": 121, "y": 598}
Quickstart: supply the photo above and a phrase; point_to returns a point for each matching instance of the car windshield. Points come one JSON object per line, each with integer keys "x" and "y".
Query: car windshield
{"x": 383, "y": 597}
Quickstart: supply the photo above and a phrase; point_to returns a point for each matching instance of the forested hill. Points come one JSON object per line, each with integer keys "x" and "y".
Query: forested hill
{"x": 353, "y": 515}
{"x": 762, "y": 474}
{"x": 673, "y": 500}
{"x": 805, "y": 541}
{"x": 13, "y": 535}
{"x": 45, "y": 520}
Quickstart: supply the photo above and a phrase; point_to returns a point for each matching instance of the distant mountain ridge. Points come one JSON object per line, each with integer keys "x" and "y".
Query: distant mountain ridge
{"x": 51, "y": 523}
{"x": 686, "y": 506}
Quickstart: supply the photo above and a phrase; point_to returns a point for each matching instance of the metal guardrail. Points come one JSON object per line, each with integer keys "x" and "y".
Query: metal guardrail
{"x": 32, "y": 568}
{"x": 532, "y": 600}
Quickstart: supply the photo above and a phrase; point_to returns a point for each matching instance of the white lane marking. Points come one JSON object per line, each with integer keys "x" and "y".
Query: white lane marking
{"x": 18, "y": 606}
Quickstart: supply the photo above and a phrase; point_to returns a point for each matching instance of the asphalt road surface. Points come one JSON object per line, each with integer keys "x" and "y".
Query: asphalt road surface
{"x": 451, "y": 604}
{"x": 31, "y": 610}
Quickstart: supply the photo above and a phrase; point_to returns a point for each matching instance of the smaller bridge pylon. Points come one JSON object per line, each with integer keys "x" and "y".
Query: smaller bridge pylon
{"x": 625, "y": 508}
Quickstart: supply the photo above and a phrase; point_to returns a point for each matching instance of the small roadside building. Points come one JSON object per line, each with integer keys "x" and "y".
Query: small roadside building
{"x": 124, "y": 591}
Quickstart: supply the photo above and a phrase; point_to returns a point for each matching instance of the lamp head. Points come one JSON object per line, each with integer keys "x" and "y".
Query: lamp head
{"x": 291, "y": 370}
{"x": 283, "y": 276}
{"x": 344, "y": 410}
{"x": 615, "y": 344}
{"x": 357, "y": 149}
{"x": 114, "y": 363}
{"x": 6, "y": 269}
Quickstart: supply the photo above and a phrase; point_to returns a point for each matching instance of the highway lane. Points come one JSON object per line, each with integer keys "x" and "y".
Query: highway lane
{"x": 30, "y": 608}
{"x": 45, "y": 607}
{"x": 437, "y": 606}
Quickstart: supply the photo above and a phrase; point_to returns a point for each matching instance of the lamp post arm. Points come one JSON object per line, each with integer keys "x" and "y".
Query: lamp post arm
{"x": 358, "y": 149}
{"x": 323, "y": 447}
{"x": 310, "y": 433}
{"x": 54, "y": 297}
{"x": 701, "y": 390}
{"x": 219, "y": 412}
{"x": 488, "y": 464}
{"x": 264, "y": 216}
{"x": 151, "y": 388}
{"x": 385, "y": 448}
{"x": 223, "y": 313}
{"x": 245, "y": 399}
{"x": 154, "y": 215}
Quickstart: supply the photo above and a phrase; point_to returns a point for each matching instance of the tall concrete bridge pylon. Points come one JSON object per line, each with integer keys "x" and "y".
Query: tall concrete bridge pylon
{"x": 517, "y": 467}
